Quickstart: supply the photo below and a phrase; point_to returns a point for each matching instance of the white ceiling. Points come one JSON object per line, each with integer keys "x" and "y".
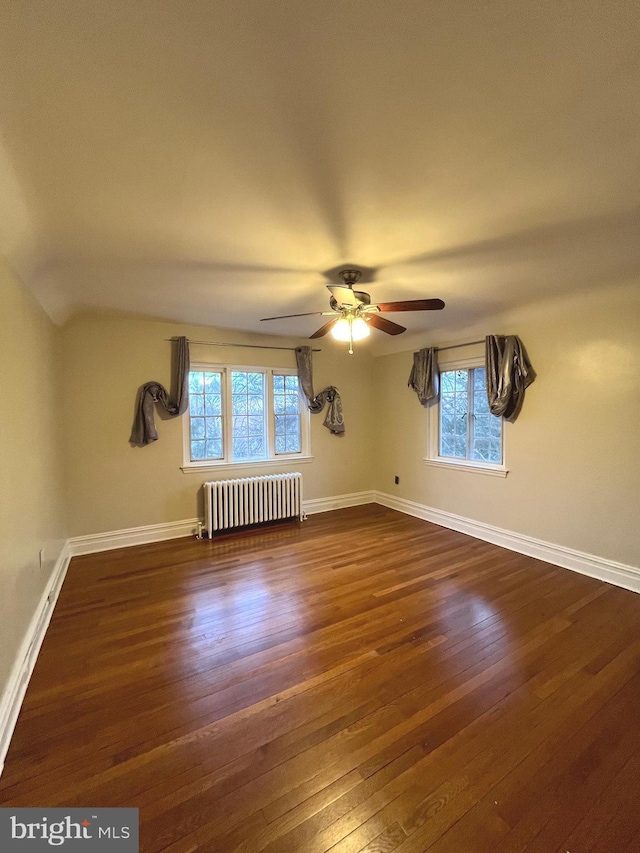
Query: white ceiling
{"x": 218, "y": 162}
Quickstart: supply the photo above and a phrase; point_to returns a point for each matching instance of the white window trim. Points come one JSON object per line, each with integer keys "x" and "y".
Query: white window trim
{"x": 433, "y": 457}
{"x": 189, "y": 466}
{"x": 194, "y": 467}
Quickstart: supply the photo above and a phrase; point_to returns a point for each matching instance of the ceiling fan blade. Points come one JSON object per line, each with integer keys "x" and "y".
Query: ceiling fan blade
{"x": 412, "y": 305}
{"x": 385, "y": 325}
{"x": 286, "y": 316}
{"x": 324, "y": 329}
{"x": 343, "y": 295}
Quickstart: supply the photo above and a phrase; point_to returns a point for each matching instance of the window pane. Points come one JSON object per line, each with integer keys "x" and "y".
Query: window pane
{"x": 197, "y": 450}
{"x": 291, "y": 404}
{"x": 453, "y": 413}
{"x": 240, "y": 425}
{"x": 479, "y": 380}
{"x": 238, "y": 382}
{"x": 291, "y": 424}
{"x": 239, "y": 404}
{"x": 256, "y": 383}
{"x": 461, "y": 378}
{"x": 196, "y": 382}
{"x": 480, "y": 402}
{"x": 286, "y": 406}
{"x": 205, "y": 412}
{"x": 212, "y": 383}
{"x": 256, "y": 445}
{"x": 486, "y": 445}
{"x": 292, "y": 443}
{"x": 447, "y": 382}
{"x": 196, "y": 404}
{"x": 240, "y": 448}
{"x": 212, "y": 404}
{"x": 249, "y": 436}
{"x": 214, "y": 449}
{"x": 197, "y": 428}
{"x": 214, "y": 428}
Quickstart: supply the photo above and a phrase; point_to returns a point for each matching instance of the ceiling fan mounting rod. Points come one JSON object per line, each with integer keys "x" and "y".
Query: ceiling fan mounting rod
{"x": 350, "y": 277}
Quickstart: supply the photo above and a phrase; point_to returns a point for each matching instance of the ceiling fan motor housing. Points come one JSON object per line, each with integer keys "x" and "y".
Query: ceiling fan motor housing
{"x": 362, "y": 298}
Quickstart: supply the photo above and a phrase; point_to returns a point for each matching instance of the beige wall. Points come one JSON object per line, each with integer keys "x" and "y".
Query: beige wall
{"x": 111, "y": 485}
{"x": 574, "y": 453}
{"x": 31, "y": 493}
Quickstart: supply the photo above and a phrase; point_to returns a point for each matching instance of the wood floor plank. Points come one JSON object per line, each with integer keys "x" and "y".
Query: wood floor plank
{"x": 364, "y": 682}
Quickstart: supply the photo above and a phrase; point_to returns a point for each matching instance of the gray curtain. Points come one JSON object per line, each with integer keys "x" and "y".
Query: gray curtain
{"x": 144, "y": 427}
{"x": 425, "y": 376}
{"x": 330, "y": 396}
{"x": 509, "y": 373}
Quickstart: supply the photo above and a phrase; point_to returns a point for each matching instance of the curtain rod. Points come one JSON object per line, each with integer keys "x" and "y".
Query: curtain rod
{"x": 456, "y": 346}
{"x": 246, "y": 346}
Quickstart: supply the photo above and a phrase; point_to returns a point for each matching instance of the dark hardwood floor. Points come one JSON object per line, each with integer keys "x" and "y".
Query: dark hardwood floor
{"x": 363, "y": 681}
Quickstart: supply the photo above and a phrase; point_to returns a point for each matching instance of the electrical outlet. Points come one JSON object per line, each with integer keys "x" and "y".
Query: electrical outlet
{"x": 396, "y": 480}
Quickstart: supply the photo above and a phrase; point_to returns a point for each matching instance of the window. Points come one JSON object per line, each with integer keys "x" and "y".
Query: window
{"x": 244, "y": 415}
{"x": 462, "y": 431}
{"x": 286, "y": 411}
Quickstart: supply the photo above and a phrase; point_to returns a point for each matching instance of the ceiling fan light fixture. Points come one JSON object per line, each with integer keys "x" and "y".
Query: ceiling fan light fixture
{"x": 350, "y": 329}
{"x": 359, "y": 329}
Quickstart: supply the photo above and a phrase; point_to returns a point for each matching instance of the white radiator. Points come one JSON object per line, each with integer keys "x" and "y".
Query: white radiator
{"x": 235, "y": 503}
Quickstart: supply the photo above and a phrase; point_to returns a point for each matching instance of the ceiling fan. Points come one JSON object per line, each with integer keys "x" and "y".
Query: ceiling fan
{"x": 352, "y": 312}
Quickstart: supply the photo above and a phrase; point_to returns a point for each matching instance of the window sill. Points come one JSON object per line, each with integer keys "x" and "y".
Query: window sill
{"x": 194, "y": 467}
{"x": 467, "y": 465}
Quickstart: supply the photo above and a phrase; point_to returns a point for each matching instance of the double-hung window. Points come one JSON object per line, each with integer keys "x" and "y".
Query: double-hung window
{"x": 462, "y": 431}
{"x": 244, "y": 415}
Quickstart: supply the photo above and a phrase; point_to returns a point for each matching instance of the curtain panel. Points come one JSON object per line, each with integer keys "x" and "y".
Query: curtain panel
{"x": 509, "y": 374}
{"x": 330, "y": 396}
{"x": 144, "y": 428}
{"x": 424, "y": 378}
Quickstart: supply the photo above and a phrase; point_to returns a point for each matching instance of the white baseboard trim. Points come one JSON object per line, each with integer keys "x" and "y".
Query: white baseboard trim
{"x": 95, "y": 542}
{"x": 13, "y": 695}
{"x": 619, "y": 574}
{"x": 338, "y": 502}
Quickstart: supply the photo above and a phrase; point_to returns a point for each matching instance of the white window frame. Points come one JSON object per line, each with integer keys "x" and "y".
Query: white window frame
{"x": 188, "y": 465}
{"x": 433, "y": 433}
